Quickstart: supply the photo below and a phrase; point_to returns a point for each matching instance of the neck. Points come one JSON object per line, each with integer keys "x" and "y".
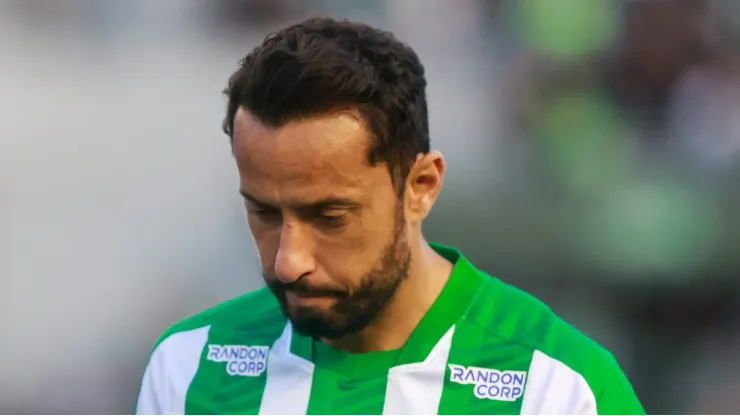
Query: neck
{"x": 428, "y": 274}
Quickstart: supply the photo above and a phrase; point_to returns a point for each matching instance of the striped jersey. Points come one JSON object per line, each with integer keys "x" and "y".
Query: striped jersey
{"x": 484, "y": 347}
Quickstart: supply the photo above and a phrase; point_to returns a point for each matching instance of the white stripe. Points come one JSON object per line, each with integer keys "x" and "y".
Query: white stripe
{"x": 416, "y": 389}
{"x": 289, "y": 379}
{"x": 171, "y": 370}
{"x": 553, "y": 388}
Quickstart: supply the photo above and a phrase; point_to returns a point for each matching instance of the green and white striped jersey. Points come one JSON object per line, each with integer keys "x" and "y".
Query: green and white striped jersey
{"x": 484, "y": 347}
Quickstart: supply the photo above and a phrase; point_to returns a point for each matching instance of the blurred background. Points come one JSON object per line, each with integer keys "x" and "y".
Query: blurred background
{"x": 593, "y": 150}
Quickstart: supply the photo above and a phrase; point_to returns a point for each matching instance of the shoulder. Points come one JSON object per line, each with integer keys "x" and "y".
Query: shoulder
{"x": 249, "y": 312}
{"x": 564, "y": 361}
{"x": 517, "y": 317}
{"x": 248, "y": 323}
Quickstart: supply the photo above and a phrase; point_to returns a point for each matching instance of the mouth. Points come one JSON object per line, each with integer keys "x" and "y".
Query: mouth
{"x": 304, "y": 298}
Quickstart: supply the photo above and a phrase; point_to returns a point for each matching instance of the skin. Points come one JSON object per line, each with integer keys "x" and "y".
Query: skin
{"x": 325, "y": 222}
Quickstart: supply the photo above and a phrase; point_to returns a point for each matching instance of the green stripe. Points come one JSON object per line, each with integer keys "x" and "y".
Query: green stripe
{"x": 332, "y": 394}
{"x": 213, "y": 390}
{"x": 474, "y": 346}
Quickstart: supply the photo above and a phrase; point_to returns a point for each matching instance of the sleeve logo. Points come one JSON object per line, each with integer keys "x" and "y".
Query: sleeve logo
{"x": 241, "y": 360}
{"x": 489, "y": 383}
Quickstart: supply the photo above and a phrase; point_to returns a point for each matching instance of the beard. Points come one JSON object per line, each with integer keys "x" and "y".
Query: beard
{"x": 355, "y": 308}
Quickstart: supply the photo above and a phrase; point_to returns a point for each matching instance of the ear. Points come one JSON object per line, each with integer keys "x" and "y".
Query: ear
{"x": 423, "y": 185}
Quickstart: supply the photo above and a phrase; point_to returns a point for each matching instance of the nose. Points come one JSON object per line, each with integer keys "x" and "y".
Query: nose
{"x": 294, "y": 258}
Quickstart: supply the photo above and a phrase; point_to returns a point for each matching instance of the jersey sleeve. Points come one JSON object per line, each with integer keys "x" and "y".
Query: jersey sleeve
{"x": 598, "y": 387}
{"x": 170, "y": 371}
{"x": 152, "y": 400}
{"x": 615, "y": 395}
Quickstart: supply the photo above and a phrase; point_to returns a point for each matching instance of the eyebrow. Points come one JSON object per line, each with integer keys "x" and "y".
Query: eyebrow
{"x": 332, "y": 201}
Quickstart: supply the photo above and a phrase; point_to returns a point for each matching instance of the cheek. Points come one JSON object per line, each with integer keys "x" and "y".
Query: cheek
{"x": 355, "y": 251}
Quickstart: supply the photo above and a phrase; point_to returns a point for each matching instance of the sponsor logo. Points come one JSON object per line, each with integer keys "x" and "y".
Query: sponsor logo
{"x": 489, "y": 383}
{"x": 241, "y": 360}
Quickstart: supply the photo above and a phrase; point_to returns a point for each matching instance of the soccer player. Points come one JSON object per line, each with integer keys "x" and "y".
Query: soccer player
{"x": 360, "y": 314}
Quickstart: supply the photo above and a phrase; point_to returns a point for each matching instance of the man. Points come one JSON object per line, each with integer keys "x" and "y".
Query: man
{"x": 328, "y": 126}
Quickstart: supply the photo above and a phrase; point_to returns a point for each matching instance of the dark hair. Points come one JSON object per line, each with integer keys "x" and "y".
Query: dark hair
{"x": 322, "y": 65}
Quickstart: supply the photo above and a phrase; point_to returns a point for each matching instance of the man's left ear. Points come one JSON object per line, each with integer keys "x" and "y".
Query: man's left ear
{"x": 423, "y": 185}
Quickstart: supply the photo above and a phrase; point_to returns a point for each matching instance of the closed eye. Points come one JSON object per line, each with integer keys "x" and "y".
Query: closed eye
{"x": 263, "y": 212}
{"x": 332, "y": 221}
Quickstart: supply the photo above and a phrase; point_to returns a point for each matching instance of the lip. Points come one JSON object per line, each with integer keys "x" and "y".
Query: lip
{"x": 298, "y": 298}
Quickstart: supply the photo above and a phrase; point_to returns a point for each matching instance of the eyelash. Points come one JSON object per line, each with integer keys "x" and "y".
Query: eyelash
{"x": 329, "y": 221}
{"x": 333, "y": 221}
{"x": 265, "y": 214}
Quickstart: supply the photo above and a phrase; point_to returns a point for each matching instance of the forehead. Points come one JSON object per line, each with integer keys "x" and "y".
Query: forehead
{"x": 313, "y": 158}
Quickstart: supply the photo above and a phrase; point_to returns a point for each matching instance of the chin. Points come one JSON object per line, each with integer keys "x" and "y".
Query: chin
{"x": 317, "y": 327}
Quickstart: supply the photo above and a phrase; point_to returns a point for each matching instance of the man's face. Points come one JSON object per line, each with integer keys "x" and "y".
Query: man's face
{"x": 329, "y": 228}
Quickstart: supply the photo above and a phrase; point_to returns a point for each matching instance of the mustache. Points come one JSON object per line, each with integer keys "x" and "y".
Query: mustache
{"x": 302, "y": 288}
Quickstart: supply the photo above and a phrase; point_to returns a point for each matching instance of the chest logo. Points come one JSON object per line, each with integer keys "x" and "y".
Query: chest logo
{"x": 241, "y": 360}
{"x": 490, "y": 384}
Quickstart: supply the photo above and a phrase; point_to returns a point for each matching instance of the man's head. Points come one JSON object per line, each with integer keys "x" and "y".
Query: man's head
{"x": 328, "y": 122}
